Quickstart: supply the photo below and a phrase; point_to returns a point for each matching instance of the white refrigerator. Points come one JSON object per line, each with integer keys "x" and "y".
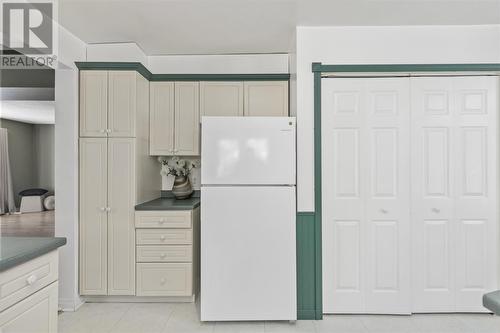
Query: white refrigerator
{"x": 248, "y": 207}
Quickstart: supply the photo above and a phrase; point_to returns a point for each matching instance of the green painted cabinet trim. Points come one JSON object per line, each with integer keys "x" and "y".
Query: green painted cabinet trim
{"x": 140, "y": 68}
{"x": 393, "y": 68}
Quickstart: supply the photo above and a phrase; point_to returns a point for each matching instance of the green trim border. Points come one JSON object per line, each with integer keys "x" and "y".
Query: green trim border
{"x": 141, "y": 69}
{"x": 315, "y": 217}
{"x": 318, "y": 67}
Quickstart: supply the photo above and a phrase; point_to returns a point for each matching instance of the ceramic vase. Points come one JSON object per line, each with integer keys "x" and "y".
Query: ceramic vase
{"x": 182, "y": 188}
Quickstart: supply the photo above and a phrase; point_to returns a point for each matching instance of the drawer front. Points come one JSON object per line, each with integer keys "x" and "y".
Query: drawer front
{"x": 163, "y": 219}
{"x": 35, "y": 314}
{"x": 23, "y": 280}
{"x": 165, "y": 253}
{"x": 164, "y": 236}
{"x": 165, "y": 279}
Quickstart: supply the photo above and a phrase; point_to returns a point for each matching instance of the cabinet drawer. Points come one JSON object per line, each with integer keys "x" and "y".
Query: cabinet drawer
{"x": 23, "y": 280}
{"x": 164, "y": 236}
{"x": 35, "y": 314}
{"x": 165, "y": 279}
{"x": 165, "y": 253}
{"x": 163, "y": 219}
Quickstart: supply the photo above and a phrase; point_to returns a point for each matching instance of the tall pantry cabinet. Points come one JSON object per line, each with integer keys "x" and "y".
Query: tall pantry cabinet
{"x": 116, "y": 173}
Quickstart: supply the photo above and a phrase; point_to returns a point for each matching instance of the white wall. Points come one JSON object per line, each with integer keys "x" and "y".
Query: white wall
{"x": 376, "y": 45}
{"x": 190, "y": 64}
{"x": 71, "y": 49}
{"x": 220, "y": 64}
{"x": 122, "y": 52}
{"x": 44, "y": 139}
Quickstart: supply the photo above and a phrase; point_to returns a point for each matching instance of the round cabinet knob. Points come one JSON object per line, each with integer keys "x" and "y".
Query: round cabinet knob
{"x": 383, "y": 211}
{"x": 108, "y": 130}
{"x": 162, "y": 281}
{"x": 163, "y": 255}
{"x": 108, "y": 209}
{"x": 162, "y": 238}
{"x": 103, "y": 209}
{"x": 162, "y": 220}
{"x": 31, "y": 279}
{"x": 435, "y": 210}
{"x": 103, "y": 131}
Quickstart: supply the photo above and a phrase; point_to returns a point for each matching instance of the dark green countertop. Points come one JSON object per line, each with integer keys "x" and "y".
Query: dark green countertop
{"x": 169, "y": 204}
{"x": 17, "y": 250}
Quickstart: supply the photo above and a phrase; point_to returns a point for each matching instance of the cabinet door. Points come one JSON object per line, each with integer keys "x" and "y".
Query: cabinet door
{"x": 187, "y": 118}
{"x": 161, "y": 117}
{"x": 121, "y": 232}
{"x": 266, "y": 98}
{"x": 221, "y": 99}
{"x": 122, "y": 103}
{"x": 93, "y": 216}
{"x": 93, "y": 103}
{"x": 35, "y": 314}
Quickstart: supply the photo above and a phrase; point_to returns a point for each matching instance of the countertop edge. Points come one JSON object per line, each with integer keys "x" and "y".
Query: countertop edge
{"x": 152, "y": 205}
{"x": 27, "y": 256}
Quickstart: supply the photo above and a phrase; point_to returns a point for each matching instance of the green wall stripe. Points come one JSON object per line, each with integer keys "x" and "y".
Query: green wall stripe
{"x": 306, "y": 284}
{"x": 391, "y": 68}
{"x": 317, "y": 196}
{"x": 140, "y": 68}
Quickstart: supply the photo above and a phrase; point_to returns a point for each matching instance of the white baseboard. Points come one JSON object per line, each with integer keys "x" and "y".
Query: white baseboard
{"x": 70, "y": 304}
{"x": 139, "y": 299}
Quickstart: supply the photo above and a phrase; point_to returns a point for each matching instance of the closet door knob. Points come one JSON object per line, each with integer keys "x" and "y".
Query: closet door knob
{"x": 103, "y": 209}
{"x": 108, "y": 209}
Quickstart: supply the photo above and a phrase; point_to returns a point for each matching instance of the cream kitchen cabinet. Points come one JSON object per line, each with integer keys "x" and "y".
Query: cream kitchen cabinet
{"x": 266, "y": 98}
{"x": 221, "y": 98}
{"x": 115, "y": 174}
{"x": 167, "y": 252}
{"x": 174, "y": 118}
{"x": 107, "y": 199}
{"x": 108, "y": 103}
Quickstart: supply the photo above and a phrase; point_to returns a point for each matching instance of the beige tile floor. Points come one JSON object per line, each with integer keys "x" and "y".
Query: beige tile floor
{"x": 183, "y": 318}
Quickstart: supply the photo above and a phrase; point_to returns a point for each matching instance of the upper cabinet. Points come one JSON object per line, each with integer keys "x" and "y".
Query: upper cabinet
{"x": 177, "y": 107}
{"x": 266, "y": 98}
{"x": 107, "y": 103}
{"x": 161, "y": 118}
{"x": 221, "y": 98}
{"x": 174, "y": 118}
{"x": 93, "y": 103}
{"x": 187, "y": 118}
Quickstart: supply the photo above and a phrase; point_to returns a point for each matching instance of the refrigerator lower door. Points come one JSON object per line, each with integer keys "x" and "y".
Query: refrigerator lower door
{"x": 248, "y": 253}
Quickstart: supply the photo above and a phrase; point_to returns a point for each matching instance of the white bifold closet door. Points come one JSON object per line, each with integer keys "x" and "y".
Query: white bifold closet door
{"x": 409, "y": 165}
{"x": 365, "y": 176}
{"x": 454, "y": 192}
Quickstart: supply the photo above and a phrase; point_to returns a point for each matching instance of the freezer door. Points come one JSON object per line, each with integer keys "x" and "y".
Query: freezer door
{"x": 248, "y": 253}
{"x": 248, "y": 150}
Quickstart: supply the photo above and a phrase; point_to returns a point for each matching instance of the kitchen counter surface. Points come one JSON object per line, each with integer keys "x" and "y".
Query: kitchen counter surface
{"x": 17, "y": 250}
{"x": 169, "y": 204}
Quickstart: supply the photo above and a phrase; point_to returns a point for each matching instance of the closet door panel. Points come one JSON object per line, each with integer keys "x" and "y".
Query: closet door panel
{"x": 387, "y": 196}
{"x": 93, "y": 103}
{"x": 433, "y": 227}
{"x": 187, "y": 118}
{"x": 344, "y": 182}
{"x": 476, "y": 189}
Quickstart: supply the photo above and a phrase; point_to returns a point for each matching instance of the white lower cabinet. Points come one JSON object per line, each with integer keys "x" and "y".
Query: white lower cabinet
{"x": 167, "y": 253}
{"x": 29, "y": 296}
{"x": 35, "y": 314}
